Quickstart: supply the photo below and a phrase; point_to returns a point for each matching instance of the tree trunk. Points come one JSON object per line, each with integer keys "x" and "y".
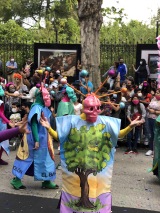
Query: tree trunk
{"x": 84, "y": 200}
{"x": 90, "y": 17}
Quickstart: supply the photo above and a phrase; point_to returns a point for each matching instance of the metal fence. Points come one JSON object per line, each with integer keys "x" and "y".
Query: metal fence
{"x": 109, "y": 52}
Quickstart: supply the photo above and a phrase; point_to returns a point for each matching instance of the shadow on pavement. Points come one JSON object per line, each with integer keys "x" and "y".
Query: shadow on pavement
{"x": 12, "y": 203}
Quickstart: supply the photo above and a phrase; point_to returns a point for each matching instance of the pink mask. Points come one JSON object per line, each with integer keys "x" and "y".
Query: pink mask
{"x": 91, "y": 108}
{"x": 157, "y": 97}
{"x": 46, "y": 96}
{"x": 135, "y": 102}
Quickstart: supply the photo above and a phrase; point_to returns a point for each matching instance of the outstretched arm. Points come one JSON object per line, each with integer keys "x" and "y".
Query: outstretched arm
{"x": 134, "y": 123}
{"x": 13, "y": 132}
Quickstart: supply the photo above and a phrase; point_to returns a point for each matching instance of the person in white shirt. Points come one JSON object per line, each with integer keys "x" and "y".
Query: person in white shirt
{"x": 77, "y": 108}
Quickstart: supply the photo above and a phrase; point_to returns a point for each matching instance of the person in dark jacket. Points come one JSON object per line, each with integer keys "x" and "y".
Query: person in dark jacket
{"x": 142, "y": 72}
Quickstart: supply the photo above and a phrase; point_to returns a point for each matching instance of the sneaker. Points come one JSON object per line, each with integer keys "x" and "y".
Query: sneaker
{"x": 135, "y": 151}
{"x": 2, "y": 162}
{"x": 149, "y": 153}
{"x": 128, "y": 151}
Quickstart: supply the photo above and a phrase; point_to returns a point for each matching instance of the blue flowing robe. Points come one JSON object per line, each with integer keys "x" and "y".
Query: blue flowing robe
{"x": 39, "y": 163}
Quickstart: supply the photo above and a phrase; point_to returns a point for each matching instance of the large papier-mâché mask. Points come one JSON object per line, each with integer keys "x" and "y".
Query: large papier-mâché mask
{"x": 91, "y": 107}
{"x": 46, "y": 96}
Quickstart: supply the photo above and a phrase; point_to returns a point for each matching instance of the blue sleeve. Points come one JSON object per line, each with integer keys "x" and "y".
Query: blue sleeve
{"x": 90, "y": 85}
{"x": 15, "y": 65}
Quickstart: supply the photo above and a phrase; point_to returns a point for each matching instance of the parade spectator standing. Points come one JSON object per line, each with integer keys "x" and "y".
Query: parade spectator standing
{"x": 134, "y": 110}
{"x": 142, "y": 72}
{"x": 153, "y": 112}
{"x": 11, "y": 67}
{"x": 122, "y": 70}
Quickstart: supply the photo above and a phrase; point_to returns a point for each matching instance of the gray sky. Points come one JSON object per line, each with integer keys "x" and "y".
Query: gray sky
{"x": 142, "y": 10}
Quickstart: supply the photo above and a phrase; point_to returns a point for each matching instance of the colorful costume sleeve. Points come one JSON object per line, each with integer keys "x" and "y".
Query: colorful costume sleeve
{"x": 53, "y": 133}
{"x": 124, "y": 132}
{"x": 4, "y": 118}
{"x": 34, "y": 127}
{"x": 9, "y": 133}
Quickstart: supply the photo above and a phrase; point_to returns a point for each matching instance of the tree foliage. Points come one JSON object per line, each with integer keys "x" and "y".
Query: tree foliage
{"x": 88, "y": 149}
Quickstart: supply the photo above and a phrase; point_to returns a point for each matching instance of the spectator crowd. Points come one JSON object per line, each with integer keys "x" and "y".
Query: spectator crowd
{"x": 140, "y": 96}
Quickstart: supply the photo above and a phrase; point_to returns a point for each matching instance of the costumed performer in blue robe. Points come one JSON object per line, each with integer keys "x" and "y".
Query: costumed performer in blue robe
{"x": 35, "y": 156}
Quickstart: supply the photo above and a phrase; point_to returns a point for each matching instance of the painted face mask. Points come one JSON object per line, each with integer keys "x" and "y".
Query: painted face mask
{"x": 46, "y": 96}
{"x": 135, "y": 102}
{"x": 91, "y": 107}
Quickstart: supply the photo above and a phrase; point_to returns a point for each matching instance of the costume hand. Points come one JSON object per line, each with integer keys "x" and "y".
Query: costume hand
{"x": 44, "y": 122}
{"x": 36, "y": 145}
{"x": 136, "y": 122}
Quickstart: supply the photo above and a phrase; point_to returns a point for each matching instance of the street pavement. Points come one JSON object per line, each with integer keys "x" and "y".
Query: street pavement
{"x": 132, "y": 185}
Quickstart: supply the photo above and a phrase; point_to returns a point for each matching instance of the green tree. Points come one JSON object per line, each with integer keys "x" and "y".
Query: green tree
{"x": 11, "y": 31}
{"x": 87, "y": 152}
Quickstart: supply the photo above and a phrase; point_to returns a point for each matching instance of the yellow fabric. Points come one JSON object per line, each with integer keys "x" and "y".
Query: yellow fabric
{"x": 83, "y": 116}
{"x": 53, "y": 133}
{"x": 124, "y": 132}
